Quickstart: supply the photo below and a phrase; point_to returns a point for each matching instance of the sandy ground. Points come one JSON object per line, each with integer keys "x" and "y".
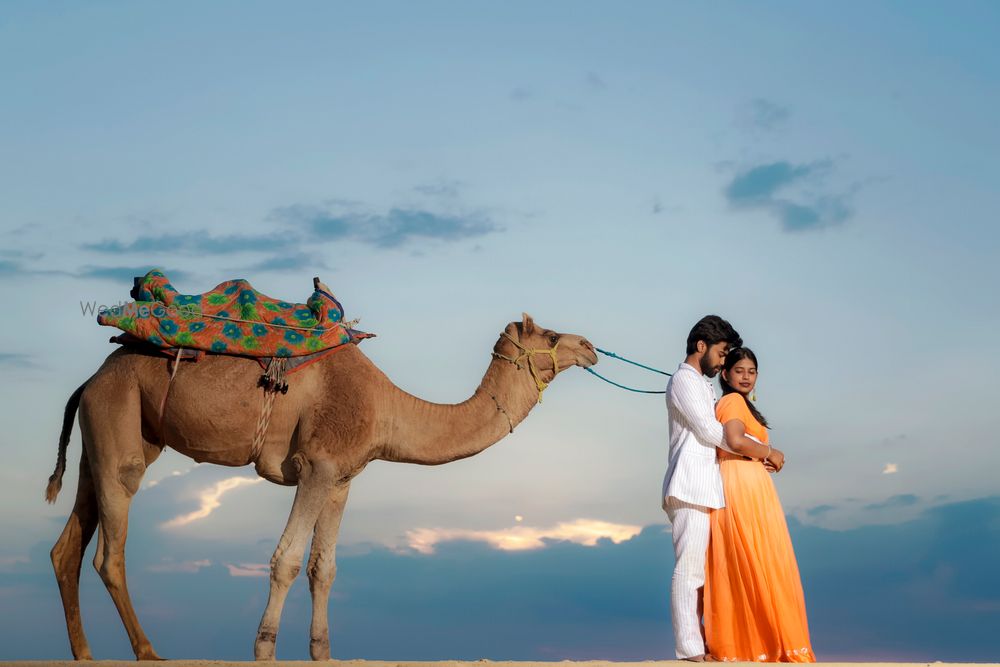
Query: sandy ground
{"x": 444, "y": 663}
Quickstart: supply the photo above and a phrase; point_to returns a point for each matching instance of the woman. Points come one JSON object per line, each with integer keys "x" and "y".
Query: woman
{"x": 754, "y": 606}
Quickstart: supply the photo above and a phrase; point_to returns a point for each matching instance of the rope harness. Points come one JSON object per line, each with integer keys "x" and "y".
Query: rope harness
{"x": 510, "y": 422}
{"x": 529, "y": 354}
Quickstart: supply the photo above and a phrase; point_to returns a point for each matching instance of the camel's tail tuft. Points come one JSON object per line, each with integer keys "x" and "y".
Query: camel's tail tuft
{"x": 55, "y": 481}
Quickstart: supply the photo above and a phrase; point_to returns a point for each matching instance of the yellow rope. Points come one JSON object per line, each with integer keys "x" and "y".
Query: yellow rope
{"x": 529, "y": 354}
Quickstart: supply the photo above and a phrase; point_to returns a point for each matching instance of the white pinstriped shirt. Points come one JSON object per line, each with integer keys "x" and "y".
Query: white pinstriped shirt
{"x": 693, "y": 471}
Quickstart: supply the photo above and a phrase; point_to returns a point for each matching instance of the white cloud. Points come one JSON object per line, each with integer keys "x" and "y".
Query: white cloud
{"x": 176, "y": 473}
{"x": 248, "y": 569}
{"x": 7, "y": 563}
{"x": 188, "y": 567}
{"x": 210, "y": 500}
{"x": 520, "y": 538}
{"x": 890, "y": 469}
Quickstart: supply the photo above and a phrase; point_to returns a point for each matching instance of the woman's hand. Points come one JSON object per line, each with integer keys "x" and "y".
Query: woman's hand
{"x": 776, "y": 459}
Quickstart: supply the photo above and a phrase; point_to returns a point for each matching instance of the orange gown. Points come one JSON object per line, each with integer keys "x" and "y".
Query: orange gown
{"x": 755, "y": 610}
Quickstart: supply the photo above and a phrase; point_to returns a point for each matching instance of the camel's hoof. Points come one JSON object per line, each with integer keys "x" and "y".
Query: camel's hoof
{"x": 319, "y": 649}
{"x": 147, "y": 654}
{"x": 263, "y": 648}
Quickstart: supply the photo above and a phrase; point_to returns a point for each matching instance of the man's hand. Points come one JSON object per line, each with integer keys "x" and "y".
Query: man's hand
{"x": 776, "y": 459}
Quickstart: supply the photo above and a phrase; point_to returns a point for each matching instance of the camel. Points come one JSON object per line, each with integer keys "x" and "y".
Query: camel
{"x": 339, "y": 413}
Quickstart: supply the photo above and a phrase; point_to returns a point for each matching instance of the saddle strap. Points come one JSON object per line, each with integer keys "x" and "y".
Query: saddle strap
{"x": 273, "y": 381}
{"x": 166, "y": 392}
{"x": 263, "y": 421}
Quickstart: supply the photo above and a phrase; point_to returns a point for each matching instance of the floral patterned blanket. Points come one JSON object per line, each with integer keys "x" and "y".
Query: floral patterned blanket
{"x": 233, "y": 318}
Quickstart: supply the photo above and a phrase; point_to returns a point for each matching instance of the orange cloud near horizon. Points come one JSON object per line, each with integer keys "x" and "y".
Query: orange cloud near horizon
{"x": 522, "y": 538}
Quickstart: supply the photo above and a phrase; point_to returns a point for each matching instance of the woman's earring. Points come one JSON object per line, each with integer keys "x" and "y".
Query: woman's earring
{"x": 753, "y": 395}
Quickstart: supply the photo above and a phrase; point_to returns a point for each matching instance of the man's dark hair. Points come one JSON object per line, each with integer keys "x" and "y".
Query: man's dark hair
{"x": 712, "y": 329}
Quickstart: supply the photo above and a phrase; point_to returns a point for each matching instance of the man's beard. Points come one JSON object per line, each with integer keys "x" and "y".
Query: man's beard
{"x": 707, "y": 369}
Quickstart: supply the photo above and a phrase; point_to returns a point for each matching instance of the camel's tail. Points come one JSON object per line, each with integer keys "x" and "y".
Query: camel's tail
{"x": 55, "y": 481}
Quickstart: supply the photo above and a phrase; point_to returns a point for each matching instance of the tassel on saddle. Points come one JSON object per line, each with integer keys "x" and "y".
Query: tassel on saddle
{"x": 273, "y": 380}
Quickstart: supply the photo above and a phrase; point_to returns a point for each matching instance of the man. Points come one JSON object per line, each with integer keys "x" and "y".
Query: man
{"x": 693, "y": 485}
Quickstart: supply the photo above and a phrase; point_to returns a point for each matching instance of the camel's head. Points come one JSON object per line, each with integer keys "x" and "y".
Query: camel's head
{"x": 525, "y": 340}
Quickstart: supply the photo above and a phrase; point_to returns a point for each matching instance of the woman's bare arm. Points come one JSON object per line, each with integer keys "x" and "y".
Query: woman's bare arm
{"x": 738, "y": 441}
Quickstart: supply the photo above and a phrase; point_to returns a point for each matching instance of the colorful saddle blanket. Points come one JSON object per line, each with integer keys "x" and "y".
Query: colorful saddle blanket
{"x": 233, "y": 318}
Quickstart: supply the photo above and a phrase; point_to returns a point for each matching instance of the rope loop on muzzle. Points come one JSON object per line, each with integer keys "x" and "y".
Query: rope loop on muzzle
{"x": 529, "y": 354}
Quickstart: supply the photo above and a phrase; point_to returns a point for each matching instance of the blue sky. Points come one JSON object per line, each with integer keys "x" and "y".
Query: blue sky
{"x": 821, "y": 175}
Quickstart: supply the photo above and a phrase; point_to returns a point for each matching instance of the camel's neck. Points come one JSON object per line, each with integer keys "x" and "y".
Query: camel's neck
{"x": 416, "y": 431}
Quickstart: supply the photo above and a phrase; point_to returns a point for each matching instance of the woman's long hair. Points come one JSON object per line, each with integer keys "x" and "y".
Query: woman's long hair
{"x": 735, "y": 356}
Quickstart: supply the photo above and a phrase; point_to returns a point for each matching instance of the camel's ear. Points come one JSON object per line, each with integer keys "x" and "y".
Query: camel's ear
{"x": 527, "y": 324}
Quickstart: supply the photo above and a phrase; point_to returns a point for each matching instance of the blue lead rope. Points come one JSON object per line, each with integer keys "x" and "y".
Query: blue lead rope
{"x": 628, "y": 361}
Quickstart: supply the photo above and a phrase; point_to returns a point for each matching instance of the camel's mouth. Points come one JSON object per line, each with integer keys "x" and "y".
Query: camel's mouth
{"x": 587, "y": 359}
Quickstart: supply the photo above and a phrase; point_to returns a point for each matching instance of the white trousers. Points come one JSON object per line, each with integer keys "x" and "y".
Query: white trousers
{"x": 690, "y": 528}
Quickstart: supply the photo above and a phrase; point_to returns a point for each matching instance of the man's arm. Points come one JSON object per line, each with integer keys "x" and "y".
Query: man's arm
{"x": 688, "y": 397}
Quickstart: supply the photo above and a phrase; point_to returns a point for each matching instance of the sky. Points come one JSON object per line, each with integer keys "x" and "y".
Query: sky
{"x": 822, "y": 175}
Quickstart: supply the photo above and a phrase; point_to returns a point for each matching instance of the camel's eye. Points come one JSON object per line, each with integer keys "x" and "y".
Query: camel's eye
{"x": 553, "y": 338}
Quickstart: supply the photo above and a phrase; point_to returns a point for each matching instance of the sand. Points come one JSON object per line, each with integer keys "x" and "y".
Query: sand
{"x": 444, "y": 663}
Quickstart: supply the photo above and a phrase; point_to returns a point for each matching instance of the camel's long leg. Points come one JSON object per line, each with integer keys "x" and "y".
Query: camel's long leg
{"x": 152, "y": 451}
{"x": 67, "y": 556}
{"x": 113, "y": 441}
{"x": 110, "y": 563}
{"x": 322, "y": 570}
{"x": 316, "y": 482}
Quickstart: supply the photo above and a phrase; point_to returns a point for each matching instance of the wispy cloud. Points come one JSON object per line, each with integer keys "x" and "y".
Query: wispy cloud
{"x": 521, "y": 94}
{"x": 126, "y": 273}
{"x": 820, "y": 510}
{"x": 20, "y": 254}
{"x": 16, "y": 360}
{"x": 761, "y": 183}
{"x": 8, "y": 563}
{"x": 595, "y": 82}
{"x": 657, "y": 207}
{"x": 13, "y": 268}
{"x": 297, "y": 261}
{"x": 186, "y": 567}
{"x": 248, "y": 569}
{"x": 174, "y": 473}
{"x": 196, "y": 243}
{"x": 521, "y": 538}
{"x": 442, "y": 189}
{"x": 900, "y": 500}
{"x": 767, "y": 187}
{"x": 398, "y": 227}
{"x": 210, "y": 500}
{"x": 761, "y": 115}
